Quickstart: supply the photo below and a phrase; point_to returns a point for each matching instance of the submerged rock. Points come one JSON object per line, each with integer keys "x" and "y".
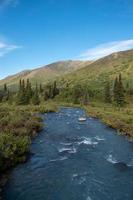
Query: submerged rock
{"x": 121, "y": 166}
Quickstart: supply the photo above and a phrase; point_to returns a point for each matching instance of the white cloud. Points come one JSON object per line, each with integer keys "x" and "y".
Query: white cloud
{"x": 6, "y": 48}
{"x": 106, "y": 49}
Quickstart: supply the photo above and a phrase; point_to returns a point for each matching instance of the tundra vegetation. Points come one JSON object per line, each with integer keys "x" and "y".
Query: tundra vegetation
{"x": 20, "y": 122}
{"x": 103, "y": 88}
{"x": 112, "y": 103}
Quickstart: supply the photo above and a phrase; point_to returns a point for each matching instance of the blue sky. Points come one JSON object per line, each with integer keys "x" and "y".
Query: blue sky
{"x": 37, "y": 32}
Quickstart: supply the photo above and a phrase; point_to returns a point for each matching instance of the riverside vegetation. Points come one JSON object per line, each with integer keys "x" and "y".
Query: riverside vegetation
{"x": 103, "y": 88}
{"x": 19, "y": 124}
{"x": 113, "y": 105}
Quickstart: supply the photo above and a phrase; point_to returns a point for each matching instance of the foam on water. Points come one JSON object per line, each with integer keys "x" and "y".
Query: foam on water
{"x": 87, "y": 141}
{"x": 66, "y": 144}
{"x": 111, "y": 159}
{"x": 73, "y": 150}
{"x": 69, "y": 150}
{"x": 64, "y": 149}
{"x": 99, "y": 139}
{"x": 130, "y": 164}
{"x": 59, "y": 159}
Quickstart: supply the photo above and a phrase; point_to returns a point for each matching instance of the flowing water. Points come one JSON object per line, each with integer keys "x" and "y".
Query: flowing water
{"x": 74, "y": 161}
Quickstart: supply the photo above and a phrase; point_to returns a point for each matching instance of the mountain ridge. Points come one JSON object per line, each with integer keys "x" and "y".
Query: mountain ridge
{"x": 102, "y": 70}
{"x": 49, "y": 72}
{"x": 79, "y": 71}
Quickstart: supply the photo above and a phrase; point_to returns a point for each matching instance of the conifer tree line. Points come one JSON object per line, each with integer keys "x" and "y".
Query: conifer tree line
{"x": 117, "y": 94}
{"x": 29, "y": 94}
{"x": 114, "y": 92}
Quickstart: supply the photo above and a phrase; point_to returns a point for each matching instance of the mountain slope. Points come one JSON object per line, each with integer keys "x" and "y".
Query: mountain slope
{"x": 95, "y": 74}
{"x": 46, "y": 73}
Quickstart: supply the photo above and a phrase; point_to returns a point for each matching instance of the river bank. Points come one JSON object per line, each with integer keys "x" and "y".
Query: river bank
{"x": 18, "y": 126}
{"x": 73, "y": 160}
{"x": 119, "y": 119}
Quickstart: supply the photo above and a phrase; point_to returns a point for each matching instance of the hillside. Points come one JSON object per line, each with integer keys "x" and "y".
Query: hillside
{"x": 92, "y": 74}
{"x": 45, "y": 73}
{"x": 95, "y": 74}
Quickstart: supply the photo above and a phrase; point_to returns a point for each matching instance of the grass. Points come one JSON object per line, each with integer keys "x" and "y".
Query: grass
{"x": 122, "y": 119}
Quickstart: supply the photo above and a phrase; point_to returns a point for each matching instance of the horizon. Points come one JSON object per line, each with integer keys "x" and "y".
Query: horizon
{"x": 37, "y": 67}
{"x": 54, "y": 31}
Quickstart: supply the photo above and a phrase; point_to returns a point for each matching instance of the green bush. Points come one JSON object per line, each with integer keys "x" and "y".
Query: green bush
{"x": 17, "y": 126}
{"x": 12, "y": 150}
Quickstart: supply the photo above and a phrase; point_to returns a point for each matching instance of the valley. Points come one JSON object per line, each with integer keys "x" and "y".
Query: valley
{"x": 103, "y": 88}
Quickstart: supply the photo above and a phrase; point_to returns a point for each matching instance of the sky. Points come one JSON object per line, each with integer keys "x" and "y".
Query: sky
{"x": 34, "y": 33}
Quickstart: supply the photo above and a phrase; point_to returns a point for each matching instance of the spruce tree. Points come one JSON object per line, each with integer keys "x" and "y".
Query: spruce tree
{"x": 35, "y": 98}
{"x": 115, "y": 91}
{"x": 107, "y": 92}
{"x": 20, "y": 84}
{"x": 21, "y": 96}
{"x": 121, "y": 96}
{"x": 5, "y": 87}
{"x": 54, "y": 89}
{"x": 28, "y": 92}
{"x": 5, "y": 93}
{"x": 40, "y": 88}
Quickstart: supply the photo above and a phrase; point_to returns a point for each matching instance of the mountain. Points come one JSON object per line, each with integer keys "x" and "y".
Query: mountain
{"x": 95, "y": 74}
{"x": 45, "y": 73}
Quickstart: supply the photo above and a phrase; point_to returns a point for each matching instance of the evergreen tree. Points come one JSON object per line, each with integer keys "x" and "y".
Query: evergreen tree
{"x": 78, "y": 93}
{"x": 40, "y": 88}
{"x": 107, "y": 93}
{"x": 21, "y": 96}
{"x": 5, "y": 96}
{"x": 55, "y": 89}
{"x": 20, "y": 84}
{"x": 5, "y": 87}
{"x": 121, "y": 96}
{"x": 28, "y": 92}
{"x": 46, "y": 95}
{"x": 115, "y": 91}
{"x": 35, "y": 98}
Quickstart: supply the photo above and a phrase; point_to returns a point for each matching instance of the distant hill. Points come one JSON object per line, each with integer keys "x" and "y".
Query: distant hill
{"x": 95, "y": 74}
{"x": 45, "y": 73}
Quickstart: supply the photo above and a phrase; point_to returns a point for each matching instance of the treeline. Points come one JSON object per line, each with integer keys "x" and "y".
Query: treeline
{"x": 116, "y": 92}
{"x": 28, "y": 93}
{"x": 113, "y": 92}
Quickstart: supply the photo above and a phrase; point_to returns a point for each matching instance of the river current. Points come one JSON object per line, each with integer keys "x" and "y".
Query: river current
{"x": 74, "y": 161}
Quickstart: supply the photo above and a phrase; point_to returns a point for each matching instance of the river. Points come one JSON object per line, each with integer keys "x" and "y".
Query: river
{"x": 74, "y": 161}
